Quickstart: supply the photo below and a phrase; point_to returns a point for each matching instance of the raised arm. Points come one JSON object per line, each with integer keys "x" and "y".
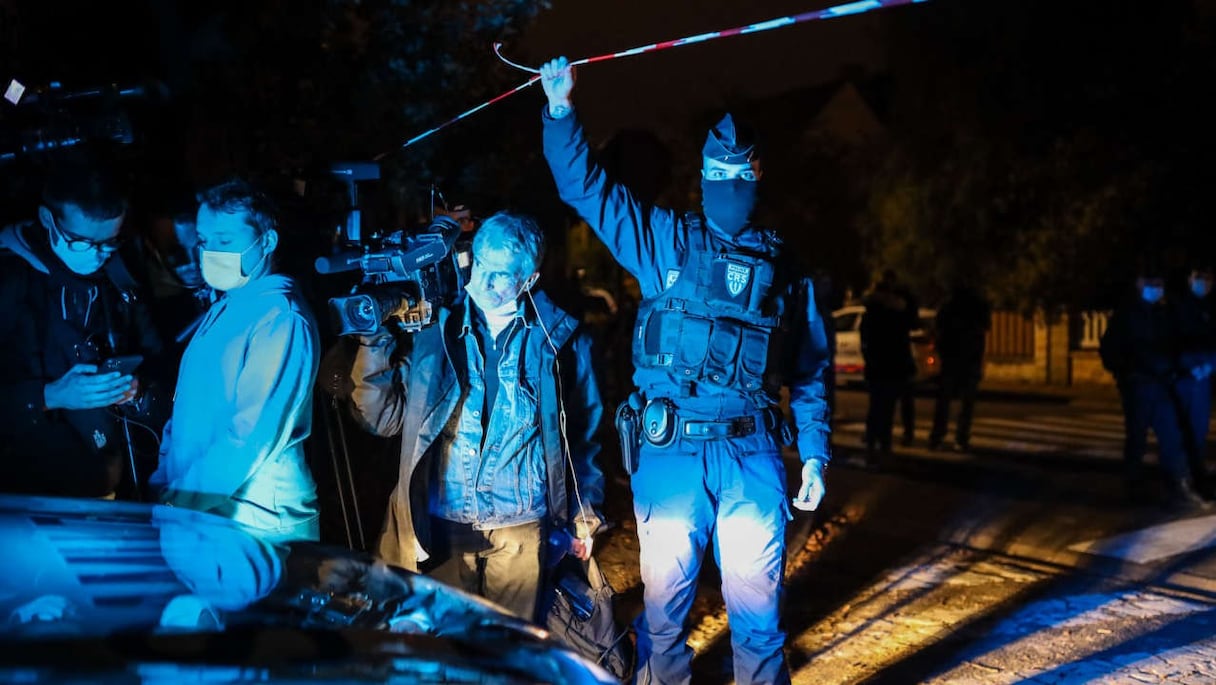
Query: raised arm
{"x": 644, "y": 239}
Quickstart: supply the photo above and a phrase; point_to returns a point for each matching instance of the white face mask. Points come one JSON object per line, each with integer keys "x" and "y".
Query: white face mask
{"x": 490, "y": 269}
{"x": 222, "y": 270}
{"x": 485, "y": 302}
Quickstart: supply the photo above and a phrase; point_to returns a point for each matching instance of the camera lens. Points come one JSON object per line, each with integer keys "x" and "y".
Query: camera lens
{"x": 361, "y": 313}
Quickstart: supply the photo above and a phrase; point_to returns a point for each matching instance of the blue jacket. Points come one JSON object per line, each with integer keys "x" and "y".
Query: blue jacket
{"x": 419, "y": 395}
{"x": 650, "y": 243}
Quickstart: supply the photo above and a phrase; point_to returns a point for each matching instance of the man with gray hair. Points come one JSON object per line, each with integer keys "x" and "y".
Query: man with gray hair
{"x": 496, "y": 404}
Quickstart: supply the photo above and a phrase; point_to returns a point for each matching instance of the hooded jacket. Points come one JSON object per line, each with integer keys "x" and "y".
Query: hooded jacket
{"x": 52, "y": 320}
{"x": 243, "y": 408}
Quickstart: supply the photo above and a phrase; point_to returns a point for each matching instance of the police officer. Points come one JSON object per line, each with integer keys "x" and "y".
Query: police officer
{"x": 1197, "y": 333}
{"x": 724, "y": 322}
{"x": 1140, "y": 348}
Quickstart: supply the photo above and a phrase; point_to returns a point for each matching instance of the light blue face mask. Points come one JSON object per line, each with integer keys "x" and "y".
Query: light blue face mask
{"x": 1152, "y": 294}
{"x": 1201, "y": 287}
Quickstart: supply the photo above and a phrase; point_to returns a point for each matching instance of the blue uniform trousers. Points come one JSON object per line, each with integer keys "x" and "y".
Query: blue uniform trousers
{"x": 735, "y": 491}
{"x": 1153, "y": 405}
{"x": 1195, "y": 396}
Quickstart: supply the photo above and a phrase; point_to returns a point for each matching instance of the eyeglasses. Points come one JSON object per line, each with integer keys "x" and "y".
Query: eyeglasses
{"x": 78, "y": 243}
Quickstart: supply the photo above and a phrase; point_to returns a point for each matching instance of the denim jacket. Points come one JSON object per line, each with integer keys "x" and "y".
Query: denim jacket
{"x": 424, "y": 397}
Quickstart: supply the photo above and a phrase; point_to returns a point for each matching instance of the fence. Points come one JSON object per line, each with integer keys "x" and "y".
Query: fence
{"x": 1092, "y": 326}
{"x": 1011, "y": 337}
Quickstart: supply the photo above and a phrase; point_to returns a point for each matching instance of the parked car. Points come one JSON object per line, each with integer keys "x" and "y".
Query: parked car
{"x": 119, "y": 592}
{"x": 851, "y": 365}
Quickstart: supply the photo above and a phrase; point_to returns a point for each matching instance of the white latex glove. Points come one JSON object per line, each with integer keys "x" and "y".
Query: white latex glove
{"x": 812, "y": 490}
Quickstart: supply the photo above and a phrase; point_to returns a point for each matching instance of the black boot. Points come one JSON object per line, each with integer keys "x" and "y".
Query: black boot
{"x": 1182, "y": 497}
{"x": 874, "y": 456}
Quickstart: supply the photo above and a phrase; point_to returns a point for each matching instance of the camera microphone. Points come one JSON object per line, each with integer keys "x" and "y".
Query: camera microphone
{"x": 338, "y": 263}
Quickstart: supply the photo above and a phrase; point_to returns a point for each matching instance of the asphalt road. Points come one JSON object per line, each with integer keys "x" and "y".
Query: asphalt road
{"x": 1020, "y": 561}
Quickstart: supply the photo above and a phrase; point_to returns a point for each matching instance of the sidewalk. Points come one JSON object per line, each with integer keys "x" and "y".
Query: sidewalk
{"x": 999, "y": 571}
{"x": 1102, "y": 395}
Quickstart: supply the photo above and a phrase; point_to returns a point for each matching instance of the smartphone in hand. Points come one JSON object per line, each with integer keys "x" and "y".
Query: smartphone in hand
{"x": 124, "y": 364}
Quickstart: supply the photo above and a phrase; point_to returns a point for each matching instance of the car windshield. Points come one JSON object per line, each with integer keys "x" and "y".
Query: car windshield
{"x": 847, "y": 322}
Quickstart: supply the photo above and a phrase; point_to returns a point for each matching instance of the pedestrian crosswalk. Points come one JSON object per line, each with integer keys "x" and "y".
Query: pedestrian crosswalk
{"x": 1097, "y": 435}
{"x": 1155, "y": 542}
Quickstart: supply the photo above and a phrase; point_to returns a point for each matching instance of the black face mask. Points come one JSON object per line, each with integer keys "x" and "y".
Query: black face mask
{"x": 729, "y": 203}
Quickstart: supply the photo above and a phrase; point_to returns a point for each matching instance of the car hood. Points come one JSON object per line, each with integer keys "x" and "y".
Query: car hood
{"x": 95, "y": 591}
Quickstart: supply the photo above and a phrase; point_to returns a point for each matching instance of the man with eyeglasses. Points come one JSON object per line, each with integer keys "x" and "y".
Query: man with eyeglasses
{"x": 67, "y": 304}
{"x": 726, "y": 320}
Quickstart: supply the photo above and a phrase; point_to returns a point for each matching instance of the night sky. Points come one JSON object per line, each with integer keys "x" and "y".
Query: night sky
{"x": 1016, "y": 133}
{"x": 659, "y": 90}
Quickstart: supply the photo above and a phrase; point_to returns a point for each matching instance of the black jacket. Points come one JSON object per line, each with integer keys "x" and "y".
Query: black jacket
{"x": 1196, "y": 329}
{"x": 886, "y": 336}
{"x": 50, "y": 320}
{"x": 1142, "y": 344}
{"x": 962, "y": 326}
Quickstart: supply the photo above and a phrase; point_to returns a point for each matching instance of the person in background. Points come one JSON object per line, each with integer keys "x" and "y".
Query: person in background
{"x": 234, "y": 446}
{"x": 1140, "y": 348}
{"x": 962, "y": 327}
{"x": 886, "y": 345}
{"x": 179, "y": 294}
{"x": 1197, "y": 332}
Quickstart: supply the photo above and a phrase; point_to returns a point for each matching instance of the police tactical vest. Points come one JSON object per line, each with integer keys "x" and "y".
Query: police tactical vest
{"x": 719, "y": 325}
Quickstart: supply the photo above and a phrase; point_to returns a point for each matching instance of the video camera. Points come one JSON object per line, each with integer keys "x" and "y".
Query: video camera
{"x": 406, "y": 275}
{"x": 51, "y": 118}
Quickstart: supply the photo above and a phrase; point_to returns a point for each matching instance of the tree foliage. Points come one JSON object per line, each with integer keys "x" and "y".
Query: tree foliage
{"x": 284, "y": 86}
{"x": 1033, "y": 150}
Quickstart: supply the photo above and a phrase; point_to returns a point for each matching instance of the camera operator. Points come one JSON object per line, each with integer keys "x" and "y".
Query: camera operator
{"x": 487, "y": 401}
{"x": 68, "y": 305}
{"x": 243, "y": 407}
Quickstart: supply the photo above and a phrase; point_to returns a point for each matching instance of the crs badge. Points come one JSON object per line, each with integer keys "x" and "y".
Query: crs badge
{"x": 673, "y": 275}
{"x": 737, "y": 276}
